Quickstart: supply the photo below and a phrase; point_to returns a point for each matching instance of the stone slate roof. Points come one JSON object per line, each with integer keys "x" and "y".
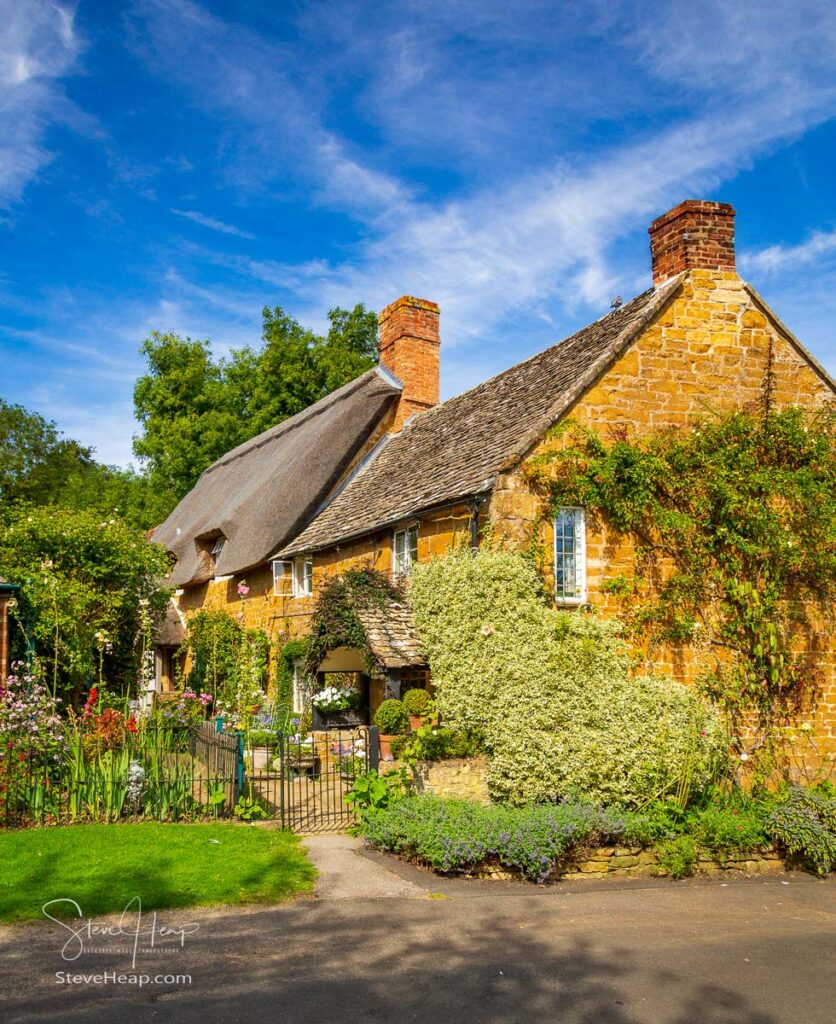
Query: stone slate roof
{"x": 390, "y": 634}
{"x": 456, "y": 449}
{"x": 262, "y": 493}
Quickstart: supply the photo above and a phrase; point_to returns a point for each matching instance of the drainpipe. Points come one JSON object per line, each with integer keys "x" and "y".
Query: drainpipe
{"x": 474, "y": 507}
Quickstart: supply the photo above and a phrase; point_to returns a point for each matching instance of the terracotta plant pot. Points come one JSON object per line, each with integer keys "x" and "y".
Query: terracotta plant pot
{"x": 415, "y": 722}
{"x": 385, "y": 747}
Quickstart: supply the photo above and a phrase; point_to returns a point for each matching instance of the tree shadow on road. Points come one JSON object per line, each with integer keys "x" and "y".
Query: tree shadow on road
{"x": 386, "y": 961}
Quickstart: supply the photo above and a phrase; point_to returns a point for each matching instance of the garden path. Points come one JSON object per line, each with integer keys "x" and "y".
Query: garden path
{"x": 345, "y": 873}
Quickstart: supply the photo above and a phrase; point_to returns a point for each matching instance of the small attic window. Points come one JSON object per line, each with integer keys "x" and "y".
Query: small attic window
{"x": 218, "y": 547}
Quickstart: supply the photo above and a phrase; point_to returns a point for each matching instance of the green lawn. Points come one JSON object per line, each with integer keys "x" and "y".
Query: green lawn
{"x": 101, "y": 867}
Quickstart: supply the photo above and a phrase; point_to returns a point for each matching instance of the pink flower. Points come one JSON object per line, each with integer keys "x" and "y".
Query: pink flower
{"x": 243, "y": 589}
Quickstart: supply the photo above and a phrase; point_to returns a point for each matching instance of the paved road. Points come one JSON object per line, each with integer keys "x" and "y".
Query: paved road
{"x": 420, "y": 950}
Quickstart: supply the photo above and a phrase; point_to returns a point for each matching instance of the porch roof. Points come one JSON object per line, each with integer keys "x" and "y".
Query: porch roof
{"x": 391, "y": 635}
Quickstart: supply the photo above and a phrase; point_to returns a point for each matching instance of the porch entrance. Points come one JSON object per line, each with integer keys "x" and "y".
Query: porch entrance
{"x": 302, "y": 781}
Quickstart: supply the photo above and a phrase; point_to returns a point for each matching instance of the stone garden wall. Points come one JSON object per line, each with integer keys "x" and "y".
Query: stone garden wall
{"x": 464, "y": 778}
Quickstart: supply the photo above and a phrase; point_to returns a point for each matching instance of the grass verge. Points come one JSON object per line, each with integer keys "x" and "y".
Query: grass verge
{"x": 102, "y": 867}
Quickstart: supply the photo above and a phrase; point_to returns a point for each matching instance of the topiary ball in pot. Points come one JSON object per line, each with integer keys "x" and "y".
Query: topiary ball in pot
{"x": 417, "y": 704}
{"x": 391, "y": 718}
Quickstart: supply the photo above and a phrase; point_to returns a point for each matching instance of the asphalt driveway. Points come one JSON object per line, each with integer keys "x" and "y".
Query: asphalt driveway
{"x": 386, "y": 943}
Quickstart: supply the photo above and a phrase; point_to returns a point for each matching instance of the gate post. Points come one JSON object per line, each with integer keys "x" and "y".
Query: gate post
{"x": 282, "y": 774}
{"x": 239, "y": 763}
{"x": 373, "y": 751}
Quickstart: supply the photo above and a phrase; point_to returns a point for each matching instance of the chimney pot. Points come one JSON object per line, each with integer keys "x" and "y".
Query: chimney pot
{"x": 695, "y": 235}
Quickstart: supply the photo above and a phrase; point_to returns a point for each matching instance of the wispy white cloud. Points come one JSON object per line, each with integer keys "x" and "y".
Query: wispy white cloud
{"x": 536, "y": 239}
{"x": 258, "y": 89}
{"x": 542, "y": 244}
{"x": 212, "y": 223}
{"x": 775, "y": 258}
{"x": 489, "y": 156}
{"x": 38, "y": 47}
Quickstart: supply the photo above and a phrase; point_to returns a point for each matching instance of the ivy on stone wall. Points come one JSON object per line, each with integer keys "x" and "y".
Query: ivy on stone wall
{"x": 335, "y": 622}
{"x": 734, "y": 524}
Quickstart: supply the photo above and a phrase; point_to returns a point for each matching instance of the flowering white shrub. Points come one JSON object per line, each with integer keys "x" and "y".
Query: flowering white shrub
{"x": 551, "y": 692}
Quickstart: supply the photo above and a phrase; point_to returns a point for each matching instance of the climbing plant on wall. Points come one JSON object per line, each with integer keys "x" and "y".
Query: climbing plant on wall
{"x": 224, "y": 656}
{"x": 335, "y": 622}
{"x": 734, "y": 524}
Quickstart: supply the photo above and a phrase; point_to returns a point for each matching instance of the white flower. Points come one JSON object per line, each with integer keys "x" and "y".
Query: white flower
{"x": 744, "y": 757}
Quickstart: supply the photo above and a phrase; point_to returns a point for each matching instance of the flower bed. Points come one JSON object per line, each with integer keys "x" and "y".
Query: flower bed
{"x": 540, "y": 842}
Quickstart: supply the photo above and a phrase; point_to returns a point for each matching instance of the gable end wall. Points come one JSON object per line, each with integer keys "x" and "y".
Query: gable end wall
{"x": 709, "y": 350}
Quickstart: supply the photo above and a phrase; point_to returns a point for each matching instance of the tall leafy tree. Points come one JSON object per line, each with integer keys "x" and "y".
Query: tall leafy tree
{"x": 35, "y": 458}
{"x": 193, "y": 408}
{"x": 39, "y": 466}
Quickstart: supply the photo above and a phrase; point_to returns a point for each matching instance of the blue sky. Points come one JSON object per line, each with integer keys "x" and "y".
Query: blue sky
{"x": 177, "y": 165}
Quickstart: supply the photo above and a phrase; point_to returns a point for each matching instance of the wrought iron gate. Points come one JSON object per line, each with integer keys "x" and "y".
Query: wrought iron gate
{"x": 302, "y": 780}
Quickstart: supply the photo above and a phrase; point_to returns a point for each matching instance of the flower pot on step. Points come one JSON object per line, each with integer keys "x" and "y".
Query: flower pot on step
{"x": 385, "y": 747}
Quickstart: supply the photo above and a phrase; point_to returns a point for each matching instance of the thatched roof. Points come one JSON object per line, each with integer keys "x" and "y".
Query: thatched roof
{"x": 456, "y": 450}
{"x": 262, "y": 493}
{"x": 170, "y": 632}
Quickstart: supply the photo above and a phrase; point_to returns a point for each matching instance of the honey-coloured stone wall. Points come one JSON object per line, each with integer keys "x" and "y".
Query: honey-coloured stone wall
{"x": 710, "y": 350}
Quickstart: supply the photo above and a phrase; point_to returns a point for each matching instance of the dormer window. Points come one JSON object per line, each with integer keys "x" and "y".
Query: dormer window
{"x": 209, "y": 550}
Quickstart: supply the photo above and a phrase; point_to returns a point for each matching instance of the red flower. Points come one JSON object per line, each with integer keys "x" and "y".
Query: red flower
{"x": 90, "y": 703}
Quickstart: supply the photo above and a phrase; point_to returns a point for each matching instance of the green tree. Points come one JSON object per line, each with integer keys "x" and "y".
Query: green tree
{"x": 34, "y": 457}
{"x": 193, "y": 408}
{"x": 90, "y": 593}
{"x": 40, "y": 466}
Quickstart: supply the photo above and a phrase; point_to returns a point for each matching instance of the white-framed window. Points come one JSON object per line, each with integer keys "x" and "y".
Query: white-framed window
{"x": 303, "y": 577}
{"x": 282, "y": 578}
{"x": 404, "y": 550}
{"x": 217, "y": 547}
{"x": 570, "y": 556}
{"x": 301, "y": 687}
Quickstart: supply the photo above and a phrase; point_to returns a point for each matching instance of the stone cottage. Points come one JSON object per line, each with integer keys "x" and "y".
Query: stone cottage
{"x": 381, "y": 473}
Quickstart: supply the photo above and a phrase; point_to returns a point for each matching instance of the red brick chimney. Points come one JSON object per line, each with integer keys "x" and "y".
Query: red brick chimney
{"x": 409, "y": 344}
{"x": 696, "y": 235}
